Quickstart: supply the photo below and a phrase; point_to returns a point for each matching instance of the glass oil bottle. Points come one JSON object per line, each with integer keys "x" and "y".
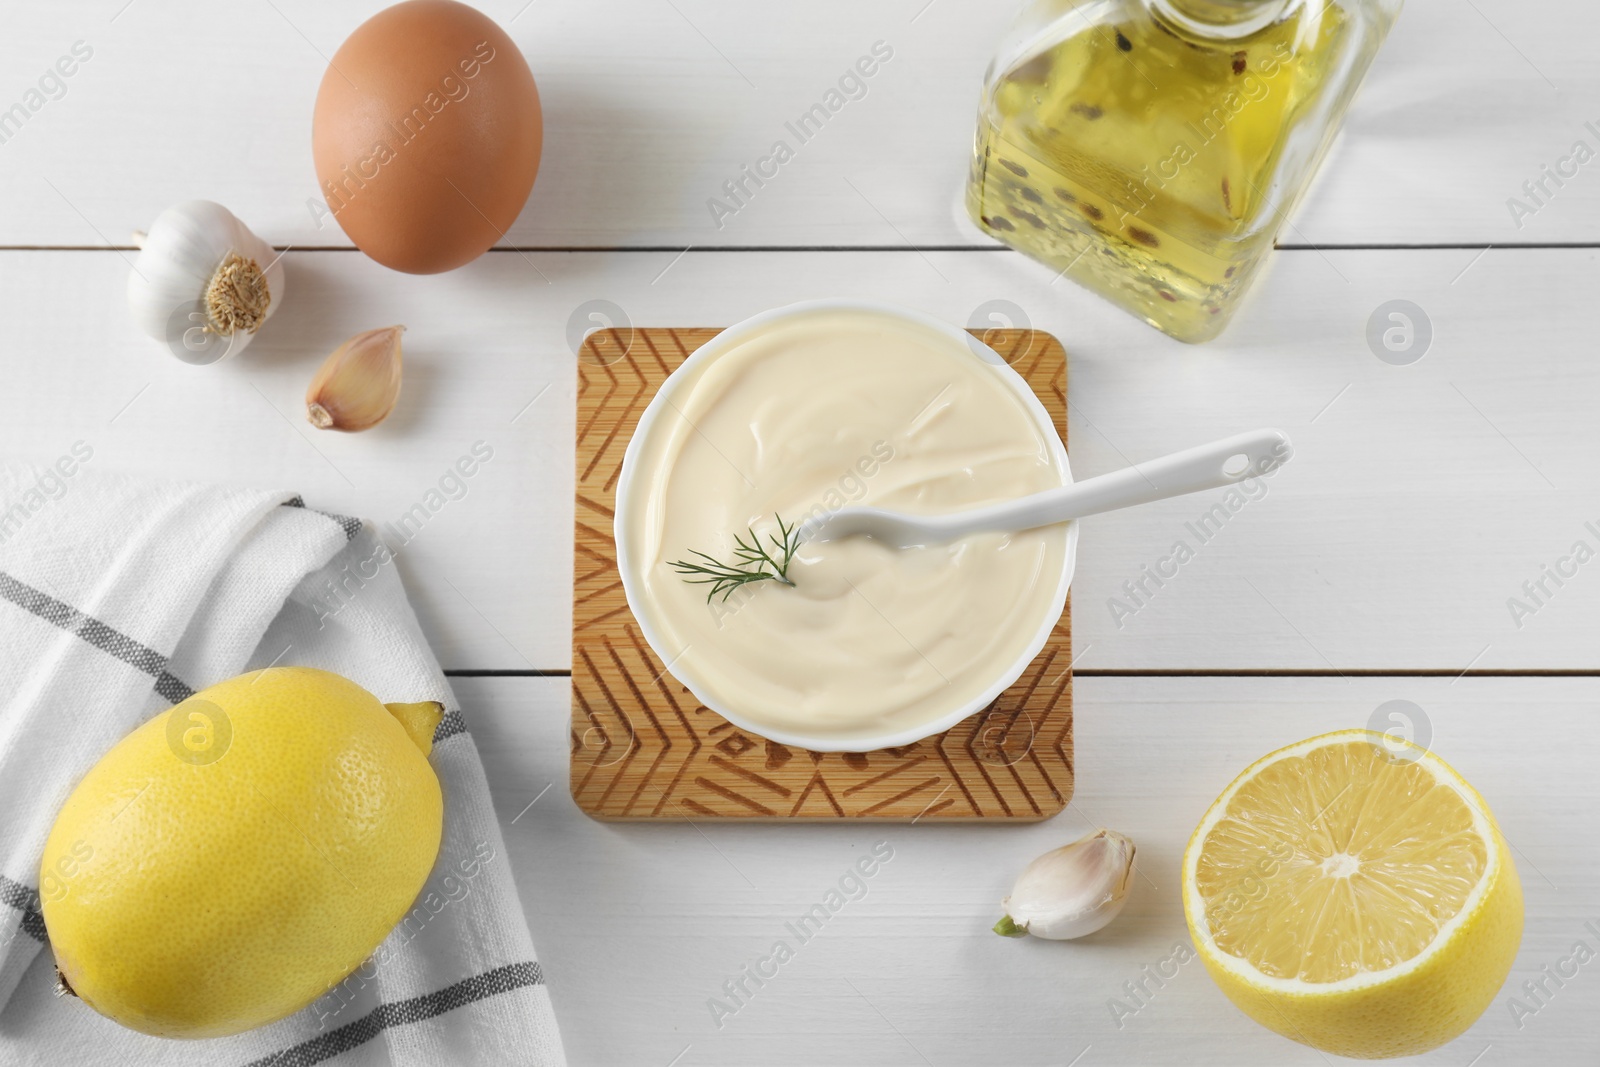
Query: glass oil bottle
{"x": 1152, "y": 149}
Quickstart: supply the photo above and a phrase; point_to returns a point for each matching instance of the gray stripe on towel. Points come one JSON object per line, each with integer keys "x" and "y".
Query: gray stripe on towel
{"x": 449, "y": 726}
{"x": 479, "y": 987}
{"x": 25, "y": 900}
{"x": 96, "y": 633}
{"x": 351, "y": 526}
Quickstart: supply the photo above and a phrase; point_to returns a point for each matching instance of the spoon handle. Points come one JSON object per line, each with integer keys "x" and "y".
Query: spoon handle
{"x": 1193, "y": 470}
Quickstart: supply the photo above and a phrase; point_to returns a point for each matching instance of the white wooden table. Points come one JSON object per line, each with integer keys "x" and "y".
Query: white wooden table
{"x": 1379, "y": 567}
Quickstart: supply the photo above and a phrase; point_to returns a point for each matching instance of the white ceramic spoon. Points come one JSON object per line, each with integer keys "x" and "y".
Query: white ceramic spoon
{"x": 1190, "y": 471}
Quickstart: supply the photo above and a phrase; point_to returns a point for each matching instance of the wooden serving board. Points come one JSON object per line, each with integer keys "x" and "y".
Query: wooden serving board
{"x": 644, "y": 748}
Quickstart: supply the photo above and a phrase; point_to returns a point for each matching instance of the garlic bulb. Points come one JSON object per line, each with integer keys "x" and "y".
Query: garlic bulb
{"x": 203, "y": 283}
{"x": 357, "y": 385}
{"x": 1071, "y": 891}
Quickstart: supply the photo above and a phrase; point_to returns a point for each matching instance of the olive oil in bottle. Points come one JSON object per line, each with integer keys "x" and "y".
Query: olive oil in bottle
{"x": 1152, "y": 149}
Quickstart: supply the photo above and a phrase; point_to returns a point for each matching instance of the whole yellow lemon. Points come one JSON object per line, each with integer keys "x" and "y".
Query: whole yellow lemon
{"x": 239, "y": 854}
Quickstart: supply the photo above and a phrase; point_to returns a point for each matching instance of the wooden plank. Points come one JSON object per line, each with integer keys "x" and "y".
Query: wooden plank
{"x": 650, "y": 107}
{"x": 644, "y": 748}
{"x": 639, "y": 925}
{"x": 1416, "y": 508}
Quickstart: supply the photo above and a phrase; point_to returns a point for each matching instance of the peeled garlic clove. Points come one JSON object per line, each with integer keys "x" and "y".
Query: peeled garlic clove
{"x": 202, "y": 282}
{"x": 357, "y": 386}
{"x": 1071, "y": 891}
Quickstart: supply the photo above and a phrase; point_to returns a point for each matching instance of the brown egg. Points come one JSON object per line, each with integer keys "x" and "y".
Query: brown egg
{"x": 426, "y": 135}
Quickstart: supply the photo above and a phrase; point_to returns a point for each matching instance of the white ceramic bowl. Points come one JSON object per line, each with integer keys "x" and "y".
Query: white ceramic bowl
{"x": 630, "y": 497}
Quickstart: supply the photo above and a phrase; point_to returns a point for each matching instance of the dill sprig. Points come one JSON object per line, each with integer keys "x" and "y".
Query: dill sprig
{"x": 752, "y": 562}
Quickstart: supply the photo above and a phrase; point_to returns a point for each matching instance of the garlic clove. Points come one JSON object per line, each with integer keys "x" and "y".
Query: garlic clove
{"x": 357, "y": 386}
{"x": 1070, "y": 891}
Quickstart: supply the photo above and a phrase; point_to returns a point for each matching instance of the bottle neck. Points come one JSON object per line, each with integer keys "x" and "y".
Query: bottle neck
{"x": 1221, "y": 19}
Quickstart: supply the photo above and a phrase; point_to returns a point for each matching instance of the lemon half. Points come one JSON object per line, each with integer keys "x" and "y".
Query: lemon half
{"x": 1352, "y": 892}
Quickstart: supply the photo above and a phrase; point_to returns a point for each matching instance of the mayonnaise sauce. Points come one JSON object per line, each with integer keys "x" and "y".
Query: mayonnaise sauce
{"x": 820, "y": 410}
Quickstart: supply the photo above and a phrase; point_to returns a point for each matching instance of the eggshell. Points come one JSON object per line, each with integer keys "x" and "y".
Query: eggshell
{"x": 426, "y": 135}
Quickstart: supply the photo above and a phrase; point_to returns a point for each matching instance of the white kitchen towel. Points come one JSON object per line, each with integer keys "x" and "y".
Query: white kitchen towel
{"x": 119, "y": 598}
